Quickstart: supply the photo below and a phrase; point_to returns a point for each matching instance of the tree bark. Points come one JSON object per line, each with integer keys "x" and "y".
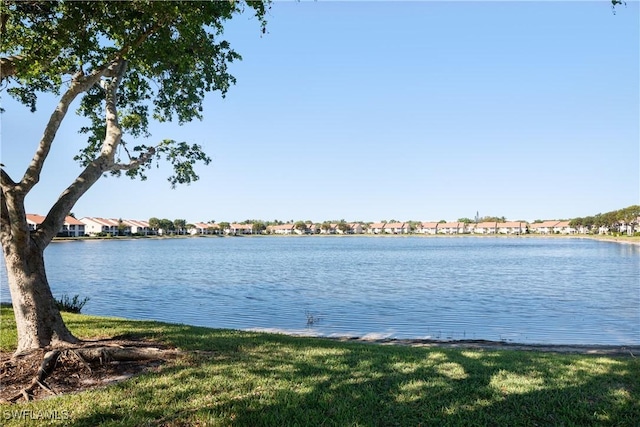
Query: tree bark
{"x": 38, "y": 319}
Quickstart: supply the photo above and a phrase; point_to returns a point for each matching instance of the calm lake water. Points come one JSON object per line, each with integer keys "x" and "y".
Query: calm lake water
{"x": 528, "y": 290}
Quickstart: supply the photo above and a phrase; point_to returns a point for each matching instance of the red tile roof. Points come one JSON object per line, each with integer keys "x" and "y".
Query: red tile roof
{"x": 72, "y": 221}
{"x": 429, "y": 224}
{"x": 39, "y": 219}
{"x": 281, "y": 227}
{"x": 241, "y": 226}
{"x": 35, "y": 219}
{"x": 512, "y": 224}
{"x": 449, "y": 225}
{"x": 545, "y": 224}
{"x": 489, "y": 224}
{"x": 394, "y": 225}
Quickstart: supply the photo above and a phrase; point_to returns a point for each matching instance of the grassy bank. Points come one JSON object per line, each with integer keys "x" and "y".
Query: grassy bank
{"x": 253, "y": 379}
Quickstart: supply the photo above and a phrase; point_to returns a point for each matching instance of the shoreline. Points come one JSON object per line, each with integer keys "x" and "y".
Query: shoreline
{"x": 632, "y": 240}
{"x": 632, "y": 350}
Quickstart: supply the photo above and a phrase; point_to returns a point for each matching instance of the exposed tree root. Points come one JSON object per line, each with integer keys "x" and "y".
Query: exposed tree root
{"x": 25, "y": 376}
{"x": 48, "y": 364}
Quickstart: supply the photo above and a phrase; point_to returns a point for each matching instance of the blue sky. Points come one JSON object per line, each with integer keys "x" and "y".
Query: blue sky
{"x": 393, "y": 110}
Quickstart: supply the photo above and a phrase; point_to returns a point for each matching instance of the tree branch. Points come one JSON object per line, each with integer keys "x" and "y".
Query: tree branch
{"x": 8, "y": 66}
{"x": 114, "y": 131}
{"x": 5, "y": 223}
{"x": 61, "y": 208}
{"x": 134, "y": 163}
{"x": 13, "y": 218}
{"x": 6, "y": 183}
{"x": 79, "y": 84}
{"x": 94, "y": 170}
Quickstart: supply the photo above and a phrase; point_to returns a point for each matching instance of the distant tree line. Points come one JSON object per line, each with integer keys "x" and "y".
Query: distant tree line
{"x": 177, "y": 226}
{"x": 612, "y": 220}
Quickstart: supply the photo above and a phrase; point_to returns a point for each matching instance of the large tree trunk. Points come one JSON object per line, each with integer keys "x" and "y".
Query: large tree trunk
{"x": 38, "y": 319}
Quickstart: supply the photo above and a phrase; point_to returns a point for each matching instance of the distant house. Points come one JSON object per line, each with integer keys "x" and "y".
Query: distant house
{"x": 583, "y": 229}
{"x": 630, "y": 227}
{"x": 555, "y": 227}
{"x": 396, "y": 228}
{"x": 328, "y": 228}
{"x": 512, "y": 227}
{"x": 236, "y": 229}
{"x": 563, "y": 227}
{"x": 280, "y": 229}
{"x": 70, "y": 228}
{"x": 34, "y": 220}
{"x": 309, "y": 228}
{"x": 544, "y": 227}
{"x": 95, "y": 225}
{"x": 486, "y": 228}
{"x": 428, "y": 228}
{"x": 376, "y": 228}
{"x": 451, "y": 228}
{"x": 355, "y": 228}
{"x": 204, "y": 228}
{"x": 138, "y": 227}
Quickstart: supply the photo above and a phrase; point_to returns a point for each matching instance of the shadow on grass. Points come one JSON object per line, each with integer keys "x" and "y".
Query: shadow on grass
{"x": 253, "y": 379}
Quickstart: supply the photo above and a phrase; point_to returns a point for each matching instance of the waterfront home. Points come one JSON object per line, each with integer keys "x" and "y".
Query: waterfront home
{"x": 71, "y": 227}
{"x": 95, "y": 225}
{"x": 451, "y": 228}
{"x": 563, "y": 227}
{"x": 486, "y": 228}
{"x": 329, "y": 229}
{"x": 376, "y": 228}
{"x": 351, "y": 228}
{"x": 544, "y": 227}
{"x": 512, "y": 227}
{"x": 140, "y": 228}
{"x": 630, "y": 228}
{"x": 308, "y": 229}
{"x": 204, "y": 228}
{"x": 396, "y": 228}
{"x": 583, "y": 229}
{"x": 280, "y": 229}
{"x": 236, "y": 229}
{"x": 34, "y": 220}
{"x": 355, "y": 228}
{"x": 427, "y": 228}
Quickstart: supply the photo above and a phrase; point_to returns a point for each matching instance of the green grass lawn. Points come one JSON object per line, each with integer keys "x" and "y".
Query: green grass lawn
{"x": 257, "y": 379}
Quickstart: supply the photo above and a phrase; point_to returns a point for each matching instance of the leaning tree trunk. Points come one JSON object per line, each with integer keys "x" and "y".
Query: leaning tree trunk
{"x": 38, "y": 319}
